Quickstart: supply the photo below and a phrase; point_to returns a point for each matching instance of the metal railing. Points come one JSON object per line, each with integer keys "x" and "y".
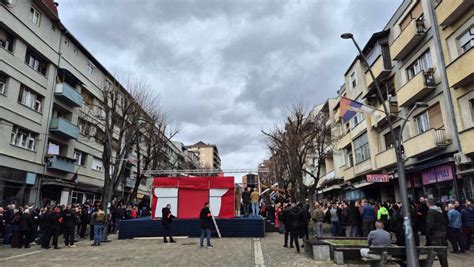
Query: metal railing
{"x": 440, "y": 135}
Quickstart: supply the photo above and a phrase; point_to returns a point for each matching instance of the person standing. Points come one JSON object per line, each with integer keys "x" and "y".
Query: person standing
{"x": 254, "y": 197}
{"x": 166, "y": 221}
{"x": 334, "y": 214}
{"x": 318, "y": 219}
{"x": 246, "y": 201}
{"x": 45, "y": 227}
{"x": 368, "y": 218}
{"x": 436, "y": 229}
{"x": 383, "y": 216}
{"x": 55, "y": 220}
{"x": 467, "y": 216}
{"x": 205, "y": 217}
{"x": 69, "y": 223}
{"x": 285, "y": 218}
{"x": 295, "y": 220}
{"x": 454, "y": 230}
{"x": 345, "y": 228}
{"x": 25, "y": 226}
{"x": 352, "y": 229}
{"x": 98, "y": 221}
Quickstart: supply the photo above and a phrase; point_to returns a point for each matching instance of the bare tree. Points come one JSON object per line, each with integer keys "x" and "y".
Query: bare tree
{"x": 294, "y": 143}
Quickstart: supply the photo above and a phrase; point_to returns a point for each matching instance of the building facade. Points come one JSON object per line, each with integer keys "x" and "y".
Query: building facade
{"x": 50, "y": 91}
{"x": 208, "y": 155}
{"x": 408, "y": 64}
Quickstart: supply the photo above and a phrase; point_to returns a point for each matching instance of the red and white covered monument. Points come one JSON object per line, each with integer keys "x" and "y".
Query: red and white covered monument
{"x": 187, "y": 196}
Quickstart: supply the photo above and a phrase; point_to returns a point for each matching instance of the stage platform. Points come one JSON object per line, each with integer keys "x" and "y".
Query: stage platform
{"x": 237, "y": 227}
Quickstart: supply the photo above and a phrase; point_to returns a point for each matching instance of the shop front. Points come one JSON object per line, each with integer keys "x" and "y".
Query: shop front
{"x": 17, "y": 187}
{"x": 439, "y": 182}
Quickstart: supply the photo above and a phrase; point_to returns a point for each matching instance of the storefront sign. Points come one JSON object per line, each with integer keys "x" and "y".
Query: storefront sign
{"x": 30, "y": 178}
{"x": 378, "y": 178}
{"x": 354, "y": 195}
{"x": 437, "y": 174}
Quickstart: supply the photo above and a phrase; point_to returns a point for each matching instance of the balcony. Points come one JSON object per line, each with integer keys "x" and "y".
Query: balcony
{"x": 419, "y": 86}
{"x": 410, "y": 37}
{"x": 344, "y": 141}
{"x": 449, "y": 11}
{"x": 348, "y": 173}
{"x": 328, "y": 176}
{"x": 64, "y": 128}
{"x": 68, "y": 95}
{"x": 460, "y": 71}
{"x": 466, "y": 138}
{"x": 386, "y": 158}
{"x": 429, "y": 141}
{"x": 60, "y": 163}
{"x": 379, "y": 69}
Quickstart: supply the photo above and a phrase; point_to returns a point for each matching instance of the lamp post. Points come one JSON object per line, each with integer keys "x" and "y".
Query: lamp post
{"x": 412, "y": 257}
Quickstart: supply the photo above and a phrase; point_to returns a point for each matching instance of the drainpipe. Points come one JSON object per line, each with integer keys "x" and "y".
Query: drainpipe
{"x": 445, "y": 85}
{"x": 50, "y": 116}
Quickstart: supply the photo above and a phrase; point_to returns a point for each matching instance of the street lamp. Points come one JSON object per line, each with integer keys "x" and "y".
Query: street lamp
{"x": 412, "y": 258}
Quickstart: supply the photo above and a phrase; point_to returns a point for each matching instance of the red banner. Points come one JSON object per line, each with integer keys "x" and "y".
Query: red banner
{"x": 378, "y": 178}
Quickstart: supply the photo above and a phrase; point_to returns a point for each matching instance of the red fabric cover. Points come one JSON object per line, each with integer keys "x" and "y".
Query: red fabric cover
{"x": 165, "y": 182}
{"x": 227, "y": 204}
{"x": 194, "y": 192}
{"x": 190, "y": 202}
{"x": 153, "y": 203}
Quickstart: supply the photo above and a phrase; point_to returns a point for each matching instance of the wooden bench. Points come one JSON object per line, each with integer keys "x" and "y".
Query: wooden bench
{"x": 397, "y": 254}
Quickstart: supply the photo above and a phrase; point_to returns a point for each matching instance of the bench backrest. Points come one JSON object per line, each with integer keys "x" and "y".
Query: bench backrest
{"x": 400, "y": 250}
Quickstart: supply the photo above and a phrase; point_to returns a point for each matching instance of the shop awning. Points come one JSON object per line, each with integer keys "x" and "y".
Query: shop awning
{"x": 362, "y": 184}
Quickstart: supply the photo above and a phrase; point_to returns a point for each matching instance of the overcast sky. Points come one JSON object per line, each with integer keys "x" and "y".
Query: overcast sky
{"x": 227, "y": 69}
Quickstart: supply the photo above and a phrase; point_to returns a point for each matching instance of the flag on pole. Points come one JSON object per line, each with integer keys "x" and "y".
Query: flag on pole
{"x": 74, "y": 177}
{"x": 349, "y": 108}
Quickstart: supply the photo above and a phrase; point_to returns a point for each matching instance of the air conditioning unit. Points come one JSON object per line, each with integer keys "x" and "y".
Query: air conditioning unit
{"x": 461, "y": 158}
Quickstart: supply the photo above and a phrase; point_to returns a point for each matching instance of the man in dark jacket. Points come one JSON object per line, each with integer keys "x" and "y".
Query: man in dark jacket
{"x": 467, "y": 216}
{"x": 55, "y": 220}
{"x": 436, "y": 229}
{"x": 305, "y": 217}
{"x": 166, "y": 220}
{"x": 246, "y": 201}
{"x": 296, "y": 221}
{"x": 285, "y": 216}
{"x": 25, "y": 226}
{"x": 352, "y": 228}
{"x": 206, "y": 224}
{"x": 84, "y": 222}
{"x": 69, "y": 224}
{"x": 45, "y": 227}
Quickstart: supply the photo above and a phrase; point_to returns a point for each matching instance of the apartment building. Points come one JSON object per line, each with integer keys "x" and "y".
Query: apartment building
{"x": 405, "y": 62}
{"x": 50, "y": 91}
{"x": 208, "y": 155}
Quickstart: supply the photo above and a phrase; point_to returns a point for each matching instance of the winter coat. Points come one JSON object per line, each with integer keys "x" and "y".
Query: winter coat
{"x": 344, "y": 217}
{"x": 246, "y": 197}
{"x": 69, "y": 218}
{"x": 318, "y": 215}
{"x": 55, "y": 220}
{"x": 167, "y": 217}
{"x": 435, "y": 223}
{"x": 295, "y": 219}
{"x": 305, "y": 216}
{"x": 45, "y": 220}
{"x": 25, "y": 222}
{"x": 205, "y": 217}
{"x": 467, "y": 215}
{"x": 353, "y": 215}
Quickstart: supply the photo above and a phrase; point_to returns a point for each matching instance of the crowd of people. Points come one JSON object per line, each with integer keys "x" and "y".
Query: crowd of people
{"x": 22, "y": 226}
{"x": 437, "y": 222}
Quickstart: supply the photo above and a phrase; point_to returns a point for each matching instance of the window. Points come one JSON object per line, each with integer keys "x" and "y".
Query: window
{"x": 90, "y": 68}
{"x": 6, "y": 40}
{"x": 3, "y": 84}
{"x": 471, "y": 107}
{"x": 423, "y": 63}
{"x": 353, "y": 80}
{"x": 467, "y": 40}
{"x": 374, "y": 54}
{"x": 422, "y": 123}
{"x": 30, "y": 98}
{"x": 96, "y": 164}
{"x": 35, "y": 16}
{"x": 80, "y": 157}
{"x": 77, "y": 197}
{"x": 358, "y": 118}
{"x": 361, "y": 148}
{"x": 35, "y": 61}
{"x": 86, "y": 128}
{"x": 23, "y": 138}
{"x": 388, "y": 138}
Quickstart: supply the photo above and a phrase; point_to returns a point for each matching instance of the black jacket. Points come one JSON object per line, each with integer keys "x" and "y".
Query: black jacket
{"x": 45, "y": 220}
{"x": 69, "y": 218}
{"x": 344, "y": 217}
{"x": 246, "y": 197}
{"x": 435, "y": 223}
{"x": 295, "y": 219}
{"x": 26, "y": 222}
{"x": 55, "y": 220}
{"x": 206, "y": 218}
{"x": 167, "y": 217}
{"x": 354, "y": 214}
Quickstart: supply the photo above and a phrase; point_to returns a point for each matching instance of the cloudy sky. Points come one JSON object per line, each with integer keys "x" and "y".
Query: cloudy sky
{"x": 227, "y": 69}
